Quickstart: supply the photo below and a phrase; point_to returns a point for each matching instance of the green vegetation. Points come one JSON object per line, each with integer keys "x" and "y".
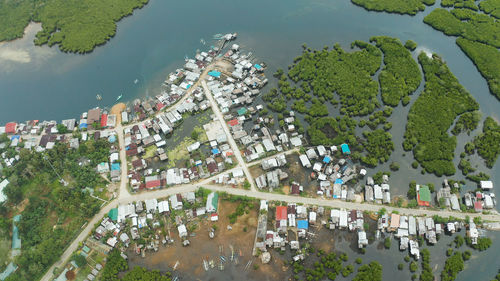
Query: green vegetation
{"x": 394, "y": 166}
{"x": 379, "y": 146}
{"x": 413, "y": 266}
{"x": 491, "y": 7}
{"x": 369, "y": 272}
{"x": 400, "y": 266}
{"x": 469, "y": 4}
{"x": 453, "y": 265}
{"x": 483, "y": 243}
{"x": 401, "y": 76}
{"x": 329, "y": 266}
{"x": 411, "y": 45}
{"x": 426, "y": 274}
{"x": 330, "y": 131}
{"x": 432, "y": 114}
{"x": 487, "y": 60}
{"x": 478, "y": 37}
{"x": 467, "y": 122}
{"x": 116, "y": 264}
{"x": 488, "y": 143}
{"x": 76, "y": 26}
{"x": 410, "y": 7}
{"x": 67, "y": 23}
{"x": 467, "y": 24}
{"x": 347, "y": 74}
{"x": 466, "y": 167}
{"x": 53, "y": 213}
{"x": 347, "y": 270}
{"x": 387, "y": 243}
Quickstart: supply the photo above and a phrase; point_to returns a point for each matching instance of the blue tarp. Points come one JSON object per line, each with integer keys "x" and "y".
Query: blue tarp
{"x": 339, "y": 181}
{"x": 302, "y": 224}
{"x": 327, "y": 159}
{"x": 15, "y": 137}
{"x": 115, "y": 167}
{"x": 83, "y": 125}
{"x": 112, "y": 139}
{"x": 214, "y": 73}
{"x": 258, "y": 66}
{"x": 215, "y": 151}
{"x": 345, "y": 148}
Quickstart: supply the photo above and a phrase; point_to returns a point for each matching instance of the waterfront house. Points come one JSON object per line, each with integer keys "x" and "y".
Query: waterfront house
{"x": 486, "y": 185}
{"x": 423, "y": 196}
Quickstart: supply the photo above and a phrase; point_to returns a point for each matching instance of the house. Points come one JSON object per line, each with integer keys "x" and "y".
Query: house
{"x": 182, "y": 231}
{"x": 151, "y": 205}
{"x": 424, "y": 196}
{"x": 395, "y": 219}
{"x": 176, "y": 204}
{"x": 455, "y": 205}
{"x": 11, "y": 128}
{"x": 486, "y": 185}
{"x": 103, "y": 168}
{"x": 3, "y": 185}
{"x": 362, "y": 240}
{"x": 345, "y": 149}
{"x": 212, "y": 202}
{"x": 304, "y": 161}
{"x": 93, "y": 115}
{"x": 163, "y": 207}
{"x": 343, "y": 219}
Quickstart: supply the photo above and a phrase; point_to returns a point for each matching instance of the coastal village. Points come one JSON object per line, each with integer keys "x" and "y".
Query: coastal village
{"x": 240, "y": 151}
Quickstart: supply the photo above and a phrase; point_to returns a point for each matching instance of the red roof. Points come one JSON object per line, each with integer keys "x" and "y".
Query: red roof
{"x": 153, "y": 184}
{"x": 281, "y": 213}
{"x": 10, "y": 128}
{"x": 104, "y": 120}
{"x": 233, "y": 122}
{"x": 159, "y": 106}
{"x": 478, "y": 206}
{"x": 479, "y": 195}
{"x": 422, "y": 203}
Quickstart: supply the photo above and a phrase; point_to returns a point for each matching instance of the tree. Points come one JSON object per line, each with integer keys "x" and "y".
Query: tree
{"x": 400, "y": 266}
{"x": 387, "y": 243}
{"x": 412, "y": 191}
{"x": 413, "y": 266}
{"x": 369, "y": 272}
{"x": 79, "y": 260}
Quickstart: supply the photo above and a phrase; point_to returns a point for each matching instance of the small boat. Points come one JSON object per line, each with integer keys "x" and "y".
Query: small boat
{"x": 98, "y": 97}
{"x": 119, "y": 97}
{"x": 205, "y": 265}
{"x": 202, "y": 41}
{"x": 211, "y": 263}
{"x": 222, "y": 258}
{"x": 221, "y": 266}
{"x": 136, "y": 81}
{"x": 176, "y": 265}
{"x": 241, "y": 254}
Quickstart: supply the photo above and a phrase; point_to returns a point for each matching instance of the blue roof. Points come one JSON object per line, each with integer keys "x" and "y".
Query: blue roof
{"x": 115, "y": 167}
{"x": 340, "y": 181}
{"x": 8, "y": 271}
{"x": 302, "y": 224}
{"x": 258, "y": 66}
{"x": 16, "y": 241}
{"x": 214, "y": 73}
{"x": 345, "y": 148}
{"x": 15, "y": 137}
{"x": 83, "y": 125}
{"x": 215, "y": 151}
{"x": 112, "y": 139}
{"x": 327, "y": 159}
{"x": 188, "y": 86}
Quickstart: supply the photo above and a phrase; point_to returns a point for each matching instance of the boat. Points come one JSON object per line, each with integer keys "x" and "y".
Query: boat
{"x": 176, "y": 265}
{"x": 232, "y": 252}
{"x": 205, "y": 265}
{"x": 221, "y": 266}
{"x": 136, "y": 81}
{"x": 119, "y": 97}
{"x": 202, "y": 41}
{"x": 211, "y": 263}
{"x": 98, "y": 97}
{"x": 222, "y": 258}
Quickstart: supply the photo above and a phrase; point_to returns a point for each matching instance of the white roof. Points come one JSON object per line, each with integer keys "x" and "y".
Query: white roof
{"x": 3, "y": 184}
{"x": 486, "y": 184}
{"x": 163, "y": 206}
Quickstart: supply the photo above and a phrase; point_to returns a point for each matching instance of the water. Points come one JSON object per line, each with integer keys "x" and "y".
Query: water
{"x": 43, "y": 83}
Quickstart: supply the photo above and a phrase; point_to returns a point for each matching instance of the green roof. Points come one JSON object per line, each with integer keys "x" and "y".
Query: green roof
{"x": 113, "y": 214}
{"x": 424, "y": 193}
{"x": 215, "y": 201}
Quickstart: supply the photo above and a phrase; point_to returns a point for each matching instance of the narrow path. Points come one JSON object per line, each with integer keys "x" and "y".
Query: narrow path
{"x": 230, "y": 139}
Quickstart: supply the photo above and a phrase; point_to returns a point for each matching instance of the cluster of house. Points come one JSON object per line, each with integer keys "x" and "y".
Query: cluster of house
{"x": 408, "y": 228}
{"x": 147, "y": 214}
{"x": 273, "y": 177}
{"x": 85, "y": 252}
{"x": 378, "y": 193}
{"x": 477, "y": 200}
{"x": 332, "y": 176}
{"x": 352, "y": 220}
